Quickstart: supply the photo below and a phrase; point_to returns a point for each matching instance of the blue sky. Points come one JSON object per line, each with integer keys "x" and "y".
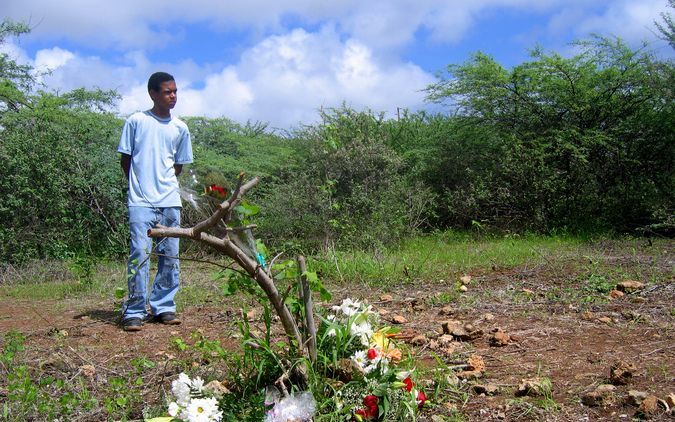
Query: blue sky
{"x": 279, "y": 61}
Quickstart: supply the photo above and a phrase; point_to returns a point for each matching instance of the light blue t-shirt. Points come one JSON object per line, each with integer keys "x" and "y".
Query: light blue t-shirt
{"x": 155, "y": 145}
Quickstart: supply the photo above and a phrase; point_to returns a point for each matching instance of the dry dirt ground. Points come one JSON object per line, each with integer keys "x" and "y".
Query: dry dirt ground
{"x": 553, "y": 330}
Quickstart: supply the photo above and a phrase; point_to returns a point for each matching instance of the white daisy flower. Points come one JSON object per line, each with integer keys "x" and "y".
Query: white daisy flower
{"x": 202, "y": 410}
{"x": 360, "y": 358}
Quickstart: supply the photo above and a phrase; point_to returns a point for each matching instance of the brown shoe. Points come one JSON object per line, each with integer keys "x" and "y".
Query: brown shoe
{"x": 132, "y": 324}
{"x": 168, "y": 318}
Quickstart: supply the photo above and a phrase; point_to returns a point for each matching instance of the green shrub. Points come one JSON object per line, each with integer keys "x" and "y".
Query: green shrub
{"x": 347, "y": 187}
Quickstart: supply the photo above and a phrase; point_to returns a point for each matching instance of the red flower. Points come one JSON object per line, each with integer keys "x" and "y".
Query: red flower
{"x": 216, "y": 191}
{"x": 370, "y": 401}
{"x": 371, "y": 411}
{"x": 421, "y": 399}
{"x": 371, "y": 404}
{"x": 372, "y": 354}
{"x": 408, "y": 384}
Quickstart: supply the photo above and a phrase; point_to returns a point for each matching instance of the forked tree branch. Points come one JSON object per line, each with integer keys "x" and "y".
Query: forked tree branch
{"x": 251, "y": 266}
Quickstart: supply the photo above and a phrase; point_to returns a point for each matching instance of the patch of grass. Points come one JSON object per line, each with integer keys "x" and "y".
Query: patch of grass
{"x": 454, "y": 417}
{"x": 44, "y": 291}
{"x": 445, "y": 297}
{"x": 57, "y": 280}
{"x": 660, "y": 370}
{"x": 539, "y": 400}
{"x": 598, "y": 284}
{"x": 441, "y": 256}
{"x": 35, "y": 395}
{"x": 122, "y": 396}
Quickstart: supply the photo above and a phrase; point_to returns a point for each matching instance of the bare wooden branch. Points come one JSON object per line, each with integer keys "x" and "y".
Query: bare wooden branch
{"x": 241, "y": 229}
{"x": 237, "y": 189}
{"x": 218, "y": 215}
{"x": 248, "y": 264}
{"x": 306, "y": 296}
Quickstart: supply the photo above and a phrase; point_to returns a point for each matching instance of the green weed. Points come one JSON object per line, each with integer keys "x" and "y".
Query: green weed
{"x": 122, "y": 396}
{"x": 36, "y": 396}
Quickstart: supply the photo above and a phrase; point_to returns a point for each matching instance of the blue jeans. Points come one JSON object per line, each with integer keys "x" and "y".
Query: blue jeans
{"x": 165, "y": 285}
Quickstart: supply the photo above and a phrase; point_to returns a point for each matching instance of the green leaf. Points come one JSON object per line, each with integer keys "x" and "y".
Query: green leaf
{"x": 312, "y": 277}
{"x": 247, "y": 209}
{"x": 381, "y": 390}
{"x": 286, "y": 270}
{"x": 316, "y": 285}
{"x": 120, "y": 292}
{"x": 325, "y": 294}
{"x": 229, "y": 289}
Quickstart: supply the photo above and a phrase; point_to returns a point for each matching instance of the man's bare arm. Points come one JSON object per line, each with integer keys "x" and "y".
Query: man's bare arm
{"x": 178, "y": 168}
{"x": 125, "y": 162}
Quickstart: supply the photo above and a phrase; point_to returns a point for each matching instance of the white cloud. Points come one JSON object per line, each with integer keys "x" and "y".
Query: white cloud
{"x": 632, "y": 20}
{"x": 135, "y": 99}
{"x": 384, "y": 24}
{"x": 449, "y": 24}
{"x": 154, "y": 24}
{"x": 281, "y": 73}
{"x": 224, "y": 94}
{"x": 283, "y": 80}
{"x": 51, "y": 59}
{"x": 292, "y": 76}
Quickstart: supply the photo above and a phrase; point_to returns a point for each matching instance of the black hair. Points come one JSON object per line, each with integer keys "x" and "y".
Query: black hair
{"x": 156, "y": 80}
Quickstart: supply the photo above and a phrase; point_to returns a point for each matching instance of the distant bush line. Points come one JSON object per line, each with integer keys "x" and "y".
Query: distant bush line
{"x": 583, "y": 143}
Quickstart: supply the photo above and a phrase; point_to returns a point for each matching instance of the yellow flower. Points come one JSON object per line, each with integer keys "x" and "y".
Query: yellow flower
{"x": 379, "y": 340}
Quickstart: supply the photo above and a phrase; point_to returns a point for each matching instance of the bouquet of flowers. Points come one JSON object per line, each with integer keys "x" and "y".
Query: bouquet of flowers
{"x": 382, "y": 388}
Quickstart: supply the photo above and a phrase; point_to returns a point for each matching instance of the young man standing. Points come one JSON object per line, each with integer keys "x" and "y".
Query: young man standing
{"x": 154, "y": 146}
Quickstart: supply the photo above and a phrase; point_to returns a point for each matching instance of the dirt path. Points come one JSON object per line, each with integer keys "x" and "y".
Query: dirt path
{"x": 570, "y": 341}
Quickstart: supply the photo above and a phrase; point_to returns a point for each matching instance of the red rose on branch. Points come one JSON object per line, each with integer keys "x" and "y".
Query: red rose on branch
{"x": 372, "y": 354}
{"x": 215, "y": 191}
{"x": 408, "y": 384}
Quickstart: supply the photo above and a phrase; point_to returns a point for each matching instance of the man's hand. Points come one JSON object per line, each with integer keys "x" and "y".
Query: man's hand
{"x": 178, "y": 169}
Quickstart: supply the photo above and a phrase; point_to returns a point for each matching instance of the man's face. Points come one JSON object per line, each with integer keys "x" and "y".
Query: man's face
{"x": 167, "y": 95}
